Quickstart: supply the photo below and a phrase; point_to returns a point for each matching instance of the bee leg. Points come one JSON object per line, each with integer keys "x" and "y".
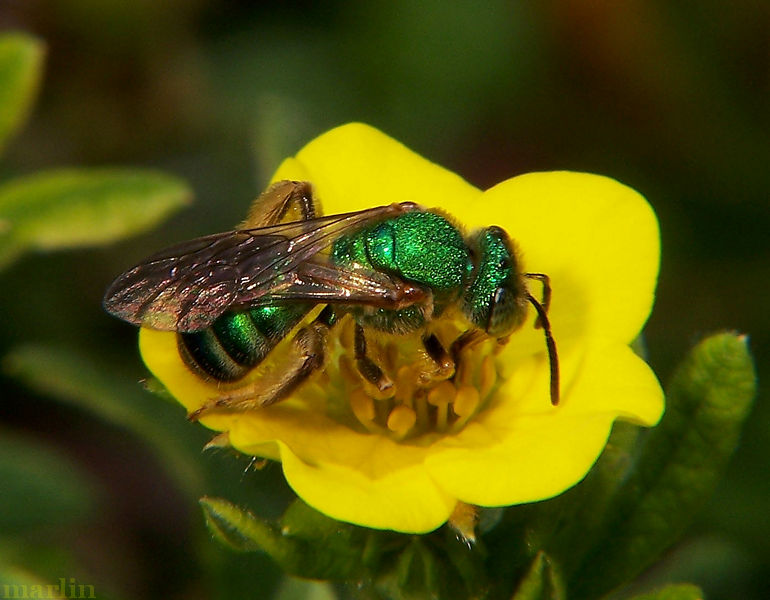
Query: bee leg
{"x": 461, "y": 346}
{"x": 368, "y": 369}
{"x": 443, "y": 366}
{"x": 282, "y": 202}
{"x": 304, "y": 357}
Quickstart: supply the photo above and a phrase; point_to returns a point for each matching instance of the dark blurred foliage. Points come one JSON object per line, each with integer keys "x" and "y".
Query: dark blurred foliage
{"x": 672, "y": 99}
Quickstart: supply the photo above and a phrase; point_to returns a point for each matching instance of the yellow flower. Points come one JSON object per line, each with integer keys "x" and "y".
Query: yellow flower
{"x": 501, "y": 442}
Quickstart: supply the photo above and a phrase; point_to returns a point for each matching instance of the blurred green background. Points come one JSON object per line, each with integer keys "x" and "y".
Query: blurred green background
{"x": 672, "y": 99}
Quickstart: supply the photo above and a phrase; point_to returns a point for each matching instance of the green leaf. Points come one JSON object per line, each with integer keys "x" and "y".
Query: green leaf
{"x": 678, "y": 466}
{"x": 39, "y": 487}
{"x": 541, "y": 581}
{"x": 340, "y": 542}
{"x": 241, "y": 530}
{"x": 21, "y": 66}
{"x": 435, "y": 565}
{"x": 293, "y": 549}
{"x": 417, "y": 574}
{"x": 83, "y": 207}
{"x": 678, "y": 591}
{"x": 83, "y": 382}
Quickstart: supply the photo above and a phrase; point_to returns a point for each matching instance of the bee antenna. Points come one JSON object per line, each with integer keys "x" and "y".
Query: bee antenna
{"x": 553, "y": 357}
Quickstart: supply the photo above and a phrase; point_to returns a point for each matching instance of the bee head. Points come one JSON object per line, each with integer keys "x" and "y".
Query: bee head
{"x": 496, "y": 298}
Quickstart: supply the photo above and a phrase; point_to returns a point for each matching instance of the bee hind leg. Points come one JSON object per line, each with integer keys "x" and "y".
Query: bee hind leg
{"x": 304, "y": 357}
{"x": 282, "y": 202}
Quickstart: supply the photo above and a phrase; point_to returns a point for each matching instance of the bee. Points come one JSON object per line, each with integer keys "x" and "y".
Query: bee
{"x": 232, "y": 297}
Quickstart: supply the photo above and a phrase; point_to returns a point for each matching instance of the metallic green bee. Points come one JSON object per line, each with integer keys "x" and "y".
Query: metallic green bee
{"x": 232, "y": 297}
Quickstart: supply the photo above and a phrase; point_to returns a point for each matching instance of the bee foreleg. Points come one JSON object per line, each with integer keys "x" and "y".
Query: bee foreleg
{"x": 368, "y": 369}
{"x": 304, "y": 357}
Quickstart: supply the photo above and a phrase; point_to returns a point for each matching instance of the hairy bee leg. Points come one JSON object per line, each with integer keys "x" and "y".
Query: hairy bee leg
{"x": 443, "y": 360}
{"x": 545, "y": 302}
{"x": 305, "y": 357}
{"x": 283, "y": 201}
{"x": 368, "y": 369}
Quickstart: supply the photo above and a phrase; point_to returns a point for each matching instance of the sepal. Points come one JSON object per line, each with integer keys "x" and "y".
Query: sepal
{"x": 541, "y": 582}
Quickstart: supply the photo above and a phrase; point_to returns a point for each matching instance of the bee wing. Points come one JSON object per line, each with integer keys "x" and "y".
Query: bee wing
{"x": 187, "y": 286}
{"x": 332, "y": 284}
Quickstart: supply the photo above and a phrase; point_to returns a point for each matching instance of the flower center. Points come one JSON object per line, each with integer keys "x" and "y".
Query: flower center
{"x": 420, "y": 394}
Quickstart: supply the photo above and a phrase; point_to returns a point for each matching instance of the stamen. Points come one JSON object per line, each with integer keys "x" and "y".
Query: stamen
{"x": 362, "y": 405}
{"x": 441, "y": 397}
{"x": 442, "y": 394}
{"x": 401, "y": 420}
{"x": 405, "y": 386}
{"x": 466, "y": 401}
{"x": 421, "y": 406}
{"x": 488, "y": 375}
{"x": 424, "y": 397}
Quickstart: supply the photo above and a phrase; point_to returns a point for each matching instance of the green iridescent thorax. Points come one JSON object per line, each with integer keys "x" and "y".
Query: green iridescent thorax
{"x": 419, "y": 247}
{"x": 496, "y": 299}
{"x": 423, "y": 248}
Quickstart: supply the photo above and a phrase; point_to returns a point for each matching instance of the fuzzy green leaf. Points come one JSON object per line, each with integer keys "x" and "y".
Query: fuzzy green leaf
{"x": 677, "y": 468}
{"x": 241, "y": 530}
{"x": 21, "y": 66}
{"x": 678, "y": 591}
{"x": 296, "y": 553}
{"x": 83, "y": 207}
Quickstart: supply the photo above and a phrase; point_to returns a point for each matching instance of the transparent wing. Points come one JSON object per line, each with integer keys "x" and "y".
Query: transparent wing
{"x": 187, "y": 286}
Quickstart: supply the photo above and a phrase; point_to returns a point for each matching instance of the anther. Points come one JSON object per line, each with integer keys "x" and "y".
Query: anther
{"x": 442, "y": 394}
{"x": 405, "y": 386}
{"x": 362, "y": 405}
{"x": 401, "y": 420}
{"x": 466, "y": 401}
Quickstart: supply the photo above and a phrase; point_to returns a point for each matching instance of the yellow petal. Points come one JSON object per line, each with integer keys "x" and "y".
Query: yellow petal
{"x": 520, "y": 449}
{"x": 356, "y": 166}
{"x": 360, "y": 478}
{"x": 597, "y": 239}
{"x": 161, "y": 355}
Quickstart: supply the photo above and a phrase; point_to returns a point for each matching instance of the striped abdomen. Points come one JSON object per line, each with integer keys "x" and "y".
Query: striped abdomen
{"x": 238, "y": 341}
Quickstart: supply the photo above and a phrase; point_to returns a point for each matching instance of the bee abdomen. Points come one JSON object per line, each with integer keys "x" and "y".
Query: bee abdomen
{"x": 238, "y": 341}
